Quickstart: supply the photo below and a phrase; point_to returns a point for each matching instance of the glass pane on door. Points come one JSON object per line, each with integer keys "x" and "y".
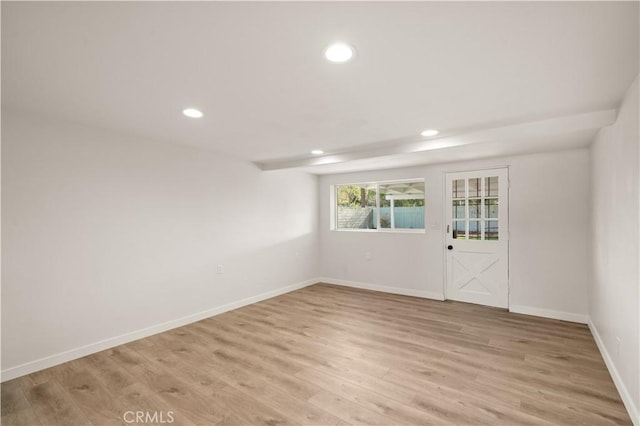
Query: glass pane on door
{"x": 474, "y": 187}
{"x": 491, "y": 208}
{"x": 474, "y": 209}
{"x": 459, "y": 231}
{"x": 491, "y": 186}
{"x": 491, "y": 230}
{"x": 474, "y": 230}
{"x": 458, "y": 189}
{"x": 459, "y": 209}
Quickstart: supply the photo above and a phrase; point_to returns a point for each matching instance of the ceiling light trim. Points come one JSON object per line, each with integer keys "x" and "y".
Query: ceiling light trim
{"x": 339, "y": 52}
{"x": 429, "y": 132}
{"x": 192, "y": 113}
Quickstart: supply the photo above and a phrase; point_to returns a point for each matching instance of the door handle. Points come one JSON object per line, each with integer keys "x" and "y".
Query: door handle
{"x": 449, "y": 247}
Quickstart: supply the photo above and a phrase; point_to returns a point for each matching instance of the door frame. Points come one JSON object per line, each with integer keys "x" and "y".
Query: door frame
{"x": 444, "y": 227}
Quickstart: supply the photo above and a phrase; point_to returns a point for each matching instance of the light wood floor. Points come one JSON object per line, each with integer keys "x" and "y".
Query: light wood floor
{"x": 329, "y": 355}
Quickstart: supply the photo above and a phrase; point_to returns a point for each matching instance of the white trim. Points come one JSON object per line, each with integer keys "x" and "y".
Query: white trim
{"x": 384, "y": 289}
{"x": 382, "y": 182}
{"x": 481, "y": 169}
{"x": 384, "y": 230}
{"x": 377, "y": 212}
{"x": 333, "y": 202}
{"x": 62, "y": 357}
{"x": 445, "y": 225}
{"x": 629, "y": 404}
{"x": 549, "y": 313}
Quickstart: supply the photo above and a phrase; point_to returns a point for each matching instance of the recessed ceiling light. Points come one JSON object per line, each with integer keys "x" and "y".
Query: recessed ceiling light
{"x": 317, "y": 152}
{"x": 339, "y": 53}
{"x": 192, "y": 112}
{"x": 430, "y": 132}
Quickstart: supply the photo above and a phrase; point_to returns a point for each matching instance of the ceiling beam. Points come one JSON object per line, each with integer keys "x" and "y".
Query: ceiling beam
{"x": 520, "y": 131}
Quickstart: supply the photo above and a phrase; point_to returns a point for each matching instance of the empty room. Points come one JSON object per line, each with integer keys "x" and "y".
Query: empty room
{"x": 320, "y": 213}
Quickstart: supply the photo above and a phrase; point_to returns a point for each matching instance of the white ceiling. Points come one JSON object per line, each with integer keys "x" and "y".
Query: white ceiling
{"x": 257, "y": 72}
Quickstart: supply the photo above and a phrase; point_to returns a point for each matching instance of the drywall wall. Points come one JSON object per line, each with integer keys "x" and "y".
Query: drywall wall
{"x": 549, "y": 221}
{"x": 613, "y": 290}
{"x": 106, "y": 235}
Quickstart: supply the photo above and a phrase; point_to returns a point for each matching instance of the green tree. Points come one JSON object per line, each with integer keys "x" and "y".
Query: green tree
{"x": 355, "y": 196}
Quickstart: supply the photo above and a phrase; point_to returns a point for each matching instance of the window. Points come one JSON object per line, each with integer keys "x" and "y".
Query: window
{"x": 397, "y": 205}
{"x": 475, "y": 214}
{"x": 355, "y": 206}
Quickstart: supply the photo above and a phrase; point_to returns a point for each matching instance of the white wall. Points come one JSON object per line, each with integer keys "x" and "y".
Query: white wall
{"x": 549, "y": 225}
{"x": 613, "y": 293}
{"x": 105, "y": 234}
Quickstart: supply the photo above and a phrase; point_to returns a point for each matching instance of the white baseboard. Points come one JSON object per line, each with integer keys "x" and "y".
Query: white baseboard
{"x": 384, "y": 289}
{"x": 628, "y": 401}
{"x": 62, "y": 357}
{"x": 549, "y": 313}
{"x": 527, "y": 310}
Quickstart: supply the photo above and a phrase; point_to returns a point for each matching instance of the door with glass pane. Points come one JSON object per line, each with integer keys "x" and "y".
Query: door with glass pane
{"x": 477, "y": 237}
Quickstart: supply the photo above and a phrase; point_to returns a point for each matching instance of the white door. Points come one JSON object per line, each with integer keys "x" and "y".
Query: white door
{"x": 477, "y": 237}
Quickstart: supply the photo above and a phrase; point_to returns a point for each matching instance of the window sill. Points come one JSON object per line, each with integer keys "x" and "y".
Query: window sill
{"x": 382, "y": 231}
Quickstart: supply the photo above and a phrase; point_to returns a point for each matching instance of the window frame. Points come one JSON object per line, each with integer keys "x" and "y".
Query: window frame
{"x": 333, "y": 199}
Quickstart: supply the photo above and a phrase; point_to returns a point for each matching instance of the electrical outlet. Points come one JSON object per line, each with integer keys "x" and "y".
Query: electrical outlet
{"x": 220, "y": 269}
{"x": 367, "y": 256}
{"x": 617, "y": 346}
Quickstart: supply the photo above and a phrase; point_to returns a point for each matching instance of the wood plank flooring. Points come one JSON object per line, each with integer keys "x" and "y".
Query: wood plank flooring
{"x": 329, "y": 355}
